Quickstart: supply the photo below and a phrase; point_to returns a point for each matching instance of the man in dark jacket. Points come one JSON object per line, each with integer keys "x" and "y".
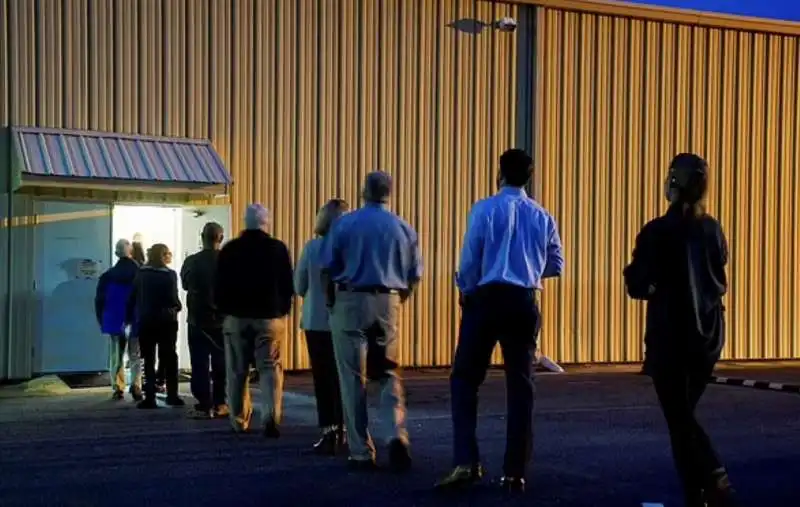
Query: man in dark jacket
{"x": 113, "y": 290}
{"x": 254, "y": 288}
{"x": 678, "y": 267}
{"x": 205, "y": 326}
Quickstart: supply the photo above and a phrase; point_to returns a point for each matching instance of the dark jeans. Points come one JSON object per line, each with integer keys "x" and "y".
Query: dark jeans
{"x": 695, "y": 458}
{"x": 510, "y": 315}
{"x": 161, "y": 336}
{"x": 207, "y": 352}
{"x": 326, "y": 378}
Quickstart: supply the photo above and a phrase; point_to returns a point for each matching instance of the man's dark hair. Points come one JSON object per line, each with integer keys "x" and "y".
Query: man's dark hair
{"x": 212, "y": 234}
{"x": 516, "y": 167}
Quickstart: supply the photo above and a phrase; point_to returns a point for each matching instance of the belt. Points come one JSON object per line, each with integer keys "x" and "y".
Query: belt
{"x": 366, "y": 289}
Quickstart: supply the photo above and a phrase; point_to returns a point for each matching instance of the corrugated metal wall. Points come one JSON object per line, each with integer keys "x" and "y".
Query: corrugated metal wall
{"x": 617, "y": 98}
{"x": 300, "y": 97}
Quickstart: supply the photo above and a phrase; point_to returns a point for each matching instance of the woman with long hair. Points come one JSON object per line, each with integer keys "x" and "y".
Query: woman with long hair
{"x": 309, "y": 285}
{"x": 678, "y": 267}
{"x": 154, "y": 307}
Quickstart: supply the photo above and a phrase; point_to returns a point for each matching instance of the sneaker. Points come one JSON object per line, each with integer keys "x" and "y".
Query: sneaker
{"x": 137, "y": 395}
{"x": 117, "y": 396}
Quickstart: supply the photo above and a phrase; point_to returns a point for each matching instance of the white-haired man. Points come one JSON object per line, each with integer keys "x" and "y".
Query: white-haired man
{"x": 111, "y": 298}
{"x": 253, "y": 288}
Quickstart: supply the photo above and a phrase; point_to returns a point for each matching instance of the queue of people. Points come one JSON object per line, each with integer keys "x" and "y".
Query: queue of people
{"x": 357, "y": 272}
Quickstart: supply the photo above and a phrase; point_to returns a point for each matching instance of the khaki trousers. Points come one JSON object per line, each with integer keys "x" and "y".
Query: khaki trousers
{"x": 365, "y": 342}
{"x": 246, "y": 341}
{"x": 116, "y": 363}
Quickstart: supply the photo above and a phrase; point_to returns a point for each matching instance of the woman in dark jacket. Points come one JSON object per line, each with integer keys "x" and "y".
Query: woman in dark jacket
{"x": 678, "y": 267}
{"x": 154, "y": 307}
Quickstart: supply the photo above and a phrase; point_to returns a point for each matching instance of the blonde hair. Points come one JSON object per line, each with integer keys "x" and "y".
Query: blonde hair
{"x": 328, "y": 214}
{"x": 157, "y": 255}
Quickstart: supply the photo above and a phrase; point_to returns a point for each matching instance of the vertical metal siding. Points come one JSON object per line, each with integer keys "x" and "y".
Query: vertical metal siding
{"x": 300, "y": 97}
{"x": 618, "y": 98}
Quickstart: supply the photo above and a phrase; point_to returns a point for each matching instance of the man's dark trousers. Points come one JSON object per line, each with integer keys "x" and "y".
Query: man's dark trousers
{"x": 207, "y": 349}
{"x": 510, "y": 315}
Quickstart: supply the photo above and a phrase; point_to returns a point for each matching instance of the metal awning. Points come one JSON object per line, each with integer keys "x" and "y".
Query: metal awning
{"x": 44, "y": 157}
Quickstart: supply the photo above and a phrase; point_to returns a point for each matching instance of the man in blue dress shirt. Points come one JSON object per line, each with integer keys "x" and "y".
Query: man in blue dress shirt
{"x": 372, "y": 258}
{"x": 511, "y": 244}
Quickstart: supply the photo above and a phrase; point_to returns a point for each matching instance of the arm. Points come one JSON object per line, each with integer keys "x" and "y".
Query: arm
{"x": 100, "y": 297}
{"x": 469, "y": 270}
{"x": 415, "y": 273}
{"x": 330, "y": 259}
{"x": 186, "y": 273}
{"x": 130, "y": 308}
{"x": 285, "y": 278}
{"x": 176, "y": 301}
{"x": 555, "y": 253}
{"x": 638, "y": 274}
{"x": 301, "y": 273}
{"x": 220, "y": 288}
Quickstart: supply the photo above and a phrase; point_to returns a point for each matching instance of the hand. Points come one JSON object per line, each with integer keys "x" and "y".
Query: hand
{"x": 651, "y": 289}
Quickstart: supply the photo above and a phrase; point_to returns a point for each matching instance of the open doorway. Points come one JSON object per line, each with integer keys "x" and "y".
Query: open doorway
{"x": 177, "y": 227}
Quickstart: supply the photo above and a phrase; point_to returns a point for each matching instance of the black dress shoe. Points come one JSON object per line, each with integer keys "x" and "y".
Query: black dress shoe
{"x": 271, "y": 430}
{"x": 175, "y": 401}
{"x": 399, "y": 456}
{"x": 512, "y": 484}
{"x": 147, "y": 403}
{"x": 328, "y": 444}
{"x": 461, "y": 477}
{"x": 361, "y": 465}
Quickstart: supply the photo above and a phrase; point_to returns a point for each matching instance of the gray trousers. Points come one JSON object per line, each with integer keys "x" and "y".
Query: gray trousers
{"x": 260, "y": 340}
{"x": 365, "y": 343}
{"x": 116, "y": 363}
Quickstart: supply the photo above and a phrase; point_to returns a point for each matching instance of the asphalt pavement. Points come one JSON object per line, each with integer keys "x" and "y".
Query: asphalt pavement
{"x": 599, "y": 442}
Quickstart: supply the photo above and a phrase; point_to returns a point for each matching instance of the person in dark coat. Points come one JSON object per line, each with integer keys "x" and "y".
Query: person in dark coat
{"x": 139, "y": 256}
{"x": 111, "y": 299}
{"x": 206, "y": 342}
{"x": 678, "y": 267}
{"x": 153, "y": 308}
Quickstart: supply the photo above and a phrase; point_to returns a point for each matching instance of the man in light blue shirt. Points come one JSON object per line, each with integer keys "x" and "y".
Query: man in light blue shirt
{"x": 372, "y": 258}
{"x": 510, "y": 246}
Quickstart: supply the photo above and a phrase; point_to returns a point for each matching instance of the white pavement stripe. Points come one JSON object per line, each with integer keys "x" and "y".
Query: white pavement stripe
{"x": 652, "y": 505}
{"x": 721, "y": 380}
{"x": 749, "y": 383}
{"x": 776, "y": 386}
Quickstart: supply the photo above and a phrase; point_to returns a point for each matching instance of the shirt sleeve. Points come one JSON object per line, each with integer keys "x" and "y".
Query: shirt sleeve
{"x": 286, "y": 279}
{"x": 330, "y": 257}
{"x": 186, "y": 273}
{"x": 301, "y": 273}
{"x": 469, "y": 271}
{"x": 176, "y": 300}
{"x": 100, "y": 297}
{"x": 638, "y": 274}
{"x": 554, "y": 265}
{"x": 416, "y": 258}
{"x": 220, "y": 290}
